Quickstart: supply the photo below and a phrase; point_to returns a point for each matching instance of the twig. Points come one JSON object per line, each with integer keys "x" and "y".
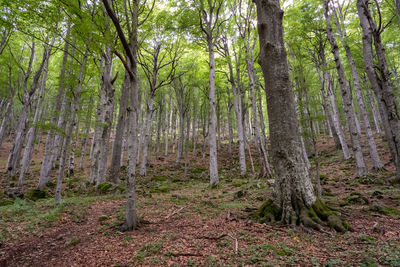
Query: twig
{"x": 236, "y": 243}
{"x": 174, "y": 213}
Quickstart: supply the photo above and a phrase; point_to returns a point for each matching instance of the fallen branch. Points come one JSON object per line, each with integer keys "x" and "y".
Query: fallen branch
{"x": 174, "y": 213}
{"x": 236, "y": 243}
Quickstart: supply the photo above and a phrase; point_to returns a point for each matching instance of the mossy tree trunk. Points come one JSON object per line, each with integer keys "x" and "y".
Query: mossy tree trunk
{"x": 293, "y": 190}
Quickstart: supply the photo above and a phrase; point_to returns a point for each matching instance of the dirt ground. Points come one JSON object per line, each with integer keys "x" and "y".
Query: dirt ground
{"x": 185, "y": 223}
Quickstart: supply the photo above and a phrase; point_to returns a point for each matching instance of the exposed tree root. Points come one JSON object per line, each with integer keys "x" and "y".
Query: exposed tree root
{"x": 319, "y": 214}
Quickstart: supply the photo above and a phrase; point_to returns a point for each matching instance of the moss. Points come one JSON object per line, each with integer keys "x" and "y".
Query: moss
{"x": 176, "y": 179}
{"x": 321, "y": 210}
{"x": 6, "y": 202}
{"x": 36, "y": 194}
{"x": 268, "y": 212}
{"x": 164, "y": 188}
{"x": 367, "y": 238}
{"x": 355, "y": 199}
{"x": 336, "y": 223}
{"x": 238, "y": 182}
{"x": 51, "y": 184}
{"x": 385, "y": 210}
{"x": 72, "y": 242}
{"x": 313, "y": 215}
{"x": 160, "y": 178}
{"x": 103, "y": 218}
{"x": 104, "y": 187}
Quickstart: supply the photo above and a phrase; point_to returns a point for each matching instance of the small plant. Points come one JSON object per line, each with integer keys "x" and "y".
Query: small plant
{"x": 36, "y": 194}
{"x": 73, "y": 242}
{"x": 103, "y": 218}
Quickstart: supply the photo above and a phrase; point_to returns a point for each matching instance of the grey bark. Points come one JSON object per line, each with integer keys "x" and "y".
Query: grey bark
{"x": 237, "y": 104}
{"x": 347, "y": 98}
{"x": 70, "y": 126}
{"x": 381, "y": 84}
{"x": 54, "y": 138}
{"x": 29, "y": 94}
{"x": 117, "y": 151}
{"x": 103, "y": 124}
{"x": 292, "y": 188}
{"x": 26, "y": 159}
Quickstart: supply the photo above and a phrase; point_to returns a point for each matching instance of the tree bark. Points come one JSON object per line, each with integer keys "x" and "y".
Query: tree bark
{"x": 26, "y": 159}
{"x": 117, "y": 151}
{"x": 293, "y": 189}
{"x": 381, "y": 84}
{"x": 70, "y": 127}
{"x": 347, "y": 97}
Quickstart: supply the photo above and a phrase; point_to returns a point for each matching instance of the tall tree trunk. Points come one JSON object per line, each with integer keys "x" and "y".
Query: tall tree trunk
{"x": 293, "y": 190}
{"x": 237, "y": 104}
{"x": 117, "y": 151}
{"x": 375, "y": 113}
{"x": 146, "y": 137}
{"x": 70, "y": 127}
{"x": 347, "y": 98}
{"x": 380, "y": 84}
{"x": 26, "y": 159}
{"x": 103, "y": 123}
{"x": 212, "y": 138}
{"x": 265, "y": 169}
{"x": 15, "y": 153}
{"x": 168, "y": 121}
{"x": 53, "y": 139}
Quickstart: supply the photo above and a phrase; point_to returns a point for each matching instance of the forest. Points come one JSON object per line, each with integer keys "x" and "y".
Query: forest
{"x": 199, "y": 133}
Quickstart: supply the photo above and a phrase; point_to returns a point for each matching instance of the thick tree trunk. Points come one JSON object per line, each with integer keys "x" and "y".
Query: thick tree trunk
{"x": 380, "y": 84}
{"x": 292, "y": 189}
{"x": 347, "y": 98}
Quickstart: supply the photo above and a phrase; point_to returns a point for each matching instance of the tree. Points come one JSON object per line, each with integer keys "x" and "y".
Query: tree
{"x": 293, "y": 192}
{"x": 210, "y": 23}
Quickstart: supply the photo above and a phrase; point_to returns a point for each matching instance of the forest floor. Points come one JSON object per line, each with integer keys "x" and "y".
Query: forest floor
{"x": 185, "y": 223}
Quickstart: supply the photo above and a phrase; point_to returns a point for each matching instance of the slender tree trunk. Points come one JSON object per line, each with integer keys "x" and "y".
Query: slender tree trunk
{"x": 146, "y": 137}
{"x": 117, "y": 151}
{"x": 194, "y": 134}
{"x": 53, "y": 140}
{"x": 375, "y": 113}
{"x": 237, "y": 104}
{"x": 26, "y": 159}
{"x": 213, "y": 116}
{"x": 168, "y": 121}
{"x": 103, "y": 123}
{"x": 380, "y": 84}
{"x": 265, "y": 169}
{"x": 347, "y": 98}
{"x": 15, "y": 153}
{"x": 70, "y": 127}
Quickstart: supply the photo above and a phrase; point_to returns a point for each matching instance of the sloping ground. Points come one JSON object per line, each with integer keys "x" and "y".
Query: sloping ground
{"x": 184, "y": 223}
